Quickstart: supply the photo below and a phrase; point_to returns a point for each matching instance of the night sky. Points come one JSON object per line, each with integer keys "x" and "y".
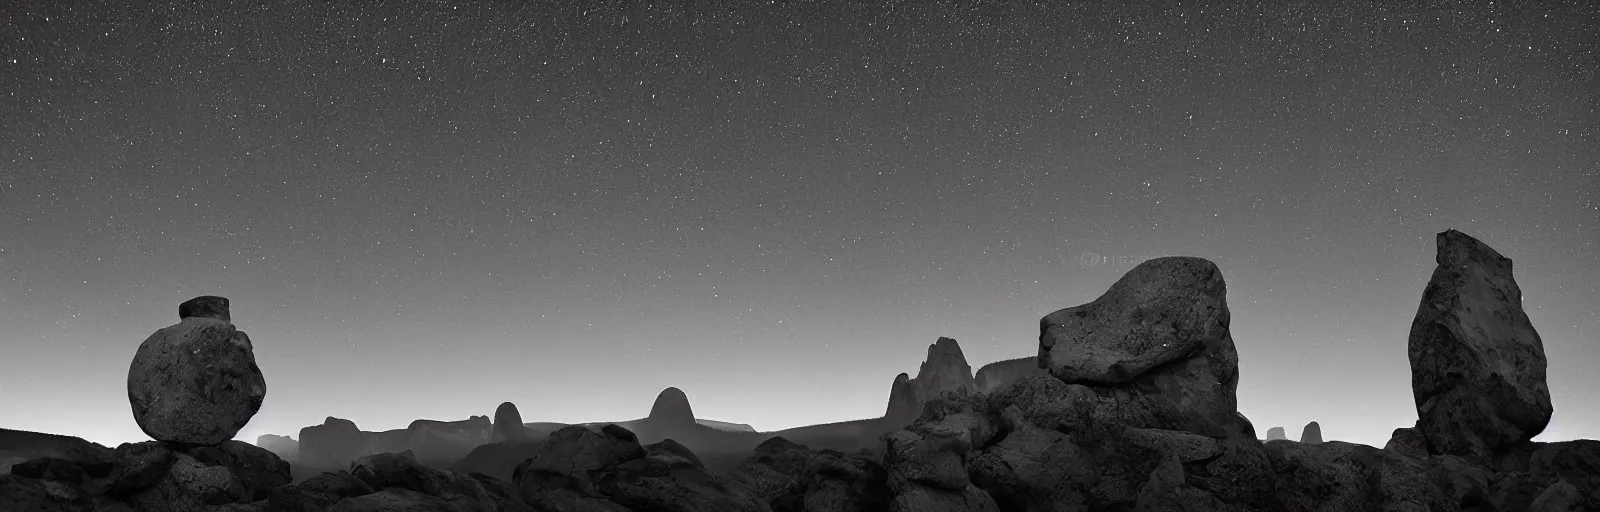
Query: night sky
{"x": 421, "y": 209}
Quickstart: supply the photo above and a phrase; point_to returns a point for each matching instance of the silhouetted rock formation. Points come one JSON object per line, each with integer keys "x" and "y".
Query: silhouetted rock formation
{"x": 508, "y": 425}
{"x": 944, "y": 370}
{"x": 789, "y": 476}
{"x": 1312, "y": 434}
{"x": 284, "y": 447}
{"x": 1276, "y": 434}
{"x": 903, "y": 402}
{"x": 439, "y": 443}
{"x": 671, "y": 411}
{"x": 387, "y": 441}
{"x": 333, "y": 444}
{"x": 1477, "y": 364}
{"x": 196, "y": 382}
{"x": 993, "y": 377}
{"x": 1157, "y": 341}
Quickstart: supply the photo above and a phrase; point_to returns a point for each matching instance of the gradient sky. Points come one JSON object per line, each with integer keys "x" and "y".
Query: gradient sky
{"x": 421, "y": 209}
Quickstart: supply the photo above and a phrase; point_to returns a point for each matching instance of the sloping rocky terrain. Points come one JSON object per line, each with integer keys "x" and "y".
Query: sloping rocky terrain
{"x": 1130, "y": 406}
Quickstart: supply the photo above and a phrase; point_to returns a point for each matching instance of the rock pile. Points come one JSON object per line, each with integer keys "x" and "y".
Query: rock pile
{"x": 333, "y": 444}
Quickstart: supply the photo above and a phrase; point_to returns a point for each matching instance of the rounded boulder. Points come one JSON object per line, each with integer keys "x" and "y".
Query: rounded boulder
{"x": 196, "y": 382}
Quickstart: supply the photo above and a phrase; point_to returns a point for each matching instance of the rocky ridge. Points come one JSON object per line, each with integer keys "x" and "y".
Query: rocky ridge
{"x": 1106, "y": 425}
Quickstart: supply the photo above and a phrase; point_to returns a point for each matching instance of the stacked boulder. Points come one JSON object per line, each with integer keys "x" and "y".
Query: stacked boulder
{"x": 196, "y": 382}
{"x": 1135, "y": 406}
{"x": 191, "y": 386}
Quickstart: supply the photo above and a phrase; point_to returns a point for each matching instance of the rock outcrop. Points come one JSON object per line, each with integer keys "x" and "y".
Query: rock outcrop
{"x": 508, "y": 425}
{"x": 333, "y": 444}
{"x": 1276, "y": 434}
{"x": 671, "y": 411}
{"x": 1154, "y": 351}
{"x": 1477, "y": 364}
{"x": 945, "y": 370}
{"x": 903, "y": 403}
{"x": 994, "y": 377}
{"x": 1312, "y": 434}
{"x": 439, "y": 443}
{"x": 196, "y": 382}
{"x": 284, "y": 447}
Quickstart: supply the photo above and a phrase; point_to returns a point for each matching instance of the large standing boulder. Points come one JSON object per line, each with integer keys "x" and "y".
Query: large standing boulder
{"x": 1477, "y": 364}
{"x": 1276, "y": 434}
{"x": 196, "y": 382}
{"x": 508, "y": 425}
{"x": 1155, "y": 348}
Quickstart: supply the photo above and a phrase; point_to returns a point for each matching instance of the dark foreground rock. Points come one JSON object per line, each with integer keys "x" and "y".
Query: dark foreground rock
{"x": 149, "y": 476}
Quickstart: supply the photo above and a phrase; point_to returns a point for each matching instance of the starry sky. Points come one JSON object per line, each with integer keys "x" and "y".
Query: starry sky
{"x": 421, "y": 209}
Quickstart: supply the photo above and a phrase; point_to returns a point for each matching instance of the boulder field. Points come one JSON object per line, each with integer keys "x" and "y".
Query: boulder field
{"x": 1131, "y": 406}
